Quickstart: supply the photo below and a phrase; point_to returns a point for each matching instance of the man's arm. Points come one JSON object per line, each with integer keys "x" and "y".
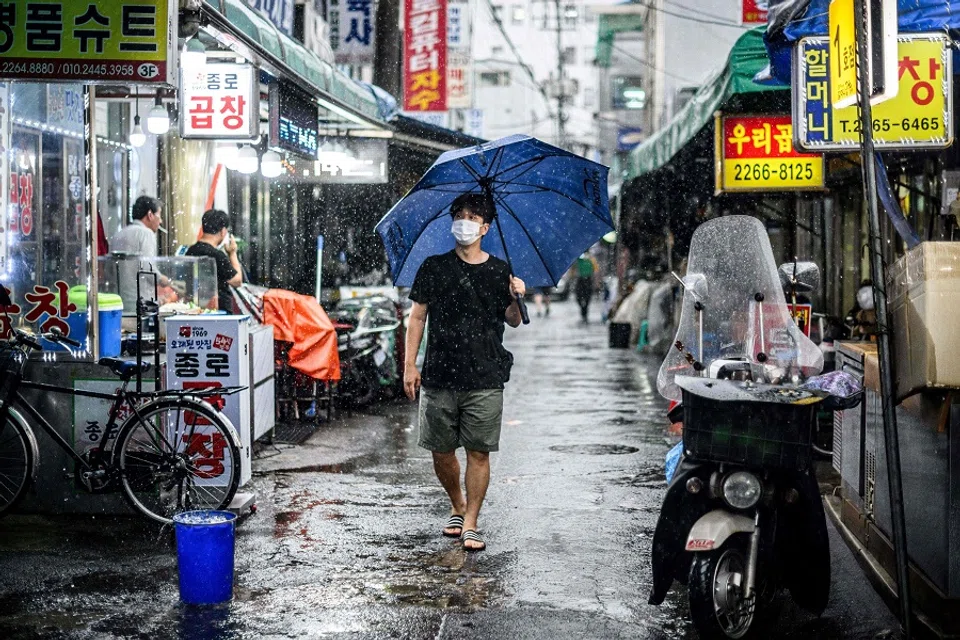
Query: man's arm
{"x": 513, "y": 316}
{"x": 411, "y": 375}
{"x": 237, "y": 278}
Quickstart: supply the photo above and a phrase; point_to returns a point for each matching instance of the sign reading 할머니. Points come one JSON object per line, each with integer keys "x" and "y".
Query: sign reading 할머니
{"x": 919, "y": 117}
{"x": 219, "y": 100}
{"x": 756, "y": 153}
{"x": 90, "y": 42}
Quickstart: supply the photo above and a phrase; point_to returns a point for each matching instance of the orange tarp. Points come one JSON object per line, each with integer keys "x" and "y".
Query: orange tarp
{"x": 301, "y": 320}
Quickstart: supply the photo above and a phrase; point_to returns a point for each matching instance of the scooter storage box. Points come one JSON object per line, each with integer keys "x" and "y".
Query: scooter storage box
{"x": 924, "y": 293}
{"x": 757, "y": 434}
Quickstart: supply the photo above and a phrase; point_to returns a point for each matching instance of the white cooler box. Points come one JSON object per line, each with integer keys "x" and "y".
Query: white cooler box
{"x": 924, "y": 302}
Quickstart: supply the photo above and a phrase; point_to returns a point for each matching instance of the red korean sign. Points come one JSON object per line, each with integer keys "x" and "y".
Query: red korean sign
{"x": 754, "y": 12}
{"x": 425, "y": 55}
{"x": 48, "y": 306}
{"x": 220, "y": 101}
{"x": 756, "y": 153}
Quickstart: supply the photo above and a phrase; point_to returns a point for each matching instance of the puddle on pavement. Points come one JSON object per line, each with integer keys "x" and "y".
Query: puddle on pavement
{"x": 647, "y": 477}
{"x": 595, "y": 449}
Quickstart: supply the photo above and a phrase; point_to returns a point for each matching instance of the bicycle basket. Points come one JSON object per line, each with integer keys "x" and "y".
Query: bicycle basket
{"x": 12, "y": 362}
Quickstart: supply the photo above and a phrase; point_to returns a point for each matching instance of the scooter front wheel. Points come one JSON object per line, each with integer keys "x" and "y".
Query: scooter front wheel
{"x": 718, "y": 605}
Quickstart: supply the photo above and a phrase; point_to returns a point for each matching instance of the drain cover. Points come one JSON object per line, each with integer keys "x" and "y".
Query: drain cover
{"x": 595, "y": 449}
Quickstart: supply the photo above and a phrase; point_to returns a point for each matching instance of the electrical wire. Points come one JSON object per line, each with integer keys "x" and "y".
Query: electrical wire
{"x": 499, "y": 23}
{"x": 719, "y": 23}
{"x": 652, "y": 66}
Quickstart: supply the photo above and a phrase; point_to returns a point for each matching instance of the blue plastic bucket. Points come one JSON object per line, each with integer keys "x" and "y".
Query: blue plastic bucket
{"x": 205, "y": 550}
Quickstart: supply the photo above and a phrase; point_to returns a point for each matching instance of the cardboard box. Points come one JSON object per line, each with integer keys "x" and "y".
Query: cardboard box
{"x": 924, "y": 303}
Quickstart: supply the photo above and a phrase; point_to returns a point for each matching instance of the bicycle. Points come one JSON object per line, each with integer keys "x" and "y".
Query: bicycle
{"x": 174, "y": 452}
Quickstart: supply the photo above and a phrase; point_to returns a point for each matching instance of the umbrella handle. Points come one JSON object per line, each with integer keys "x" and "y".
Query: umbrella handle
{"x": 523, "y": 309}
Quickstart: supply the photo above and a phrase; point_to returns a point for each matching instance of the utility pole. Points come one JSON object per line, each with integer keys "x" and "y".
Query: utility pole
{"x": 387, "y": 66}
{"x": 561, "y": 89}
{"x": 877, "y": 271}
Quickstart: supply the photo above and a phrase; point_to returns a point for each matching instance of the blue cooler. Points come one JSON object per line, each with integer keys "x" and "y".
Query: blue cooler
{"x": 111, "y": 310}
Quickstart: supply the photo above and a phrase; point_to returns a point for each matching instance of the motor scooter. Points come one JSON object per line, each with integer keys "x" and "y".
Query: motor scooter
{"x": 742, "y": 518}
{"x": 368, "y": 343}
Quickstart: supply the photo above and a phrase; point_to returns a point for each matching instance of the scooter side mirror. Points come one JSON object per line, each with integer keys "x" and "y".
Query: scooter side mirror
{"x": 803, "y": 277}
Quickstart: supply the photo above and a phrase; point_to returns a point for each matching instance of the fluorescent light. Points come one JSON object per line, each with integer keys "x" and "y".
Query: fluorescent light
{"x": 340, "y": 111}
{"x": 370, "y": 133}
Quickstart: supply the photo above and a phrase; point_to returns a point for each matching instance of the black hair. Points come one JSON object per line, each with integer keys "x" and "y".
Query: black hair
{"x": 214, "y": 220}
{"x": 476, "y": 203}
{"x": 144, "y": 205}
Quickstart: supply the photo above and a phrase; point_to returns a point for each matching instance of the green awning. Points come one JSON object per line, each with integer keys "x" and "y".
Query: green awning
{"x": 747, "y": 58}
{"x": 609, "y": 25}
{"x": 308, "y": 68}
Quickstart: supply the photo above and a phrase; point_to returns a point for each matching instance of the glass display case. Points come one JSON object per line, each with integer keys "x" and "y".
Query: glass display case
{"x": 184, "y": 284}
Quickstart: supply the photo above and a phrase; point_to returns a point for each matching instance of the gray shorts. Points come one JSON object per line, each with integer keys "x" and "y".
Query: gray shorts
{"x": 451, "y": 419}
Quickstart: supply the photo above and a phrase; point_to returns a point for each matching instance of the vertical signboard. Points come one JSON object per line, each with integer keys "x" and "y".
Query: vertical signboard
{"x": 5, "y": 213}
{"x": 352, "y": 30}
{"x": 459, "y": 25}
{"x": 425, "y": 55}
{"x": 116, "y": 41}
{"x": 458, "y": 81}
{"x": 219, "y": 101}
{"x": 212, "y": 354}
{"x": 756, "y": 153}
{"x": 279, "y": 12}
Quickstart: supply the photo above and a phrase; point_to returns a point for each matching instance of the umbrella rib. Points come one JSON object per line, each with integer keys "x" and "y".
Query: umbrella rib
{"x": 533, "y": 162}
{"x": 529, "y": 237}
{"x": 497, "y": 159}
{"x": 446, "y": 184}
{"x": 560, "y": 193}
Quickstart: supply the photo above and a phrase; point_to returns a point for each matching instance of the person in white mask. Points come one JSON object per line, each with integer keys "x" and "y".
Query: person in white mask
{"x": 468, "y": 295}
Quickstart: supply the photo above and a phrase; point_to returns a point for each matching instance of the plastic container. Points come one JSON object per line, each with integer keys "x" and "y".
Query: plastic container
{"x": 760, "y": 434}
{"x": 619, "y": 335}
{"x": 205, "y": 553}
{"x": 110, "y": 308}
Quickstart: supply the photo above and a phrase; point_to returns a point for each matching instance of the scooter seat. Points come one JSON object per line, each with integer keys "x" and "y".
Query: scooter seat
{"x": 124, "y": 368}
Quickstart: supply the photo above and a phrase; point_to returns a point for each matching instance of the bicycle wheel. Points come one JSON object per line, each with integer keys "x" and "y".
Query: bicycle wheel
{"x": 177, "y": 455}
{"x": 17, "y": 460}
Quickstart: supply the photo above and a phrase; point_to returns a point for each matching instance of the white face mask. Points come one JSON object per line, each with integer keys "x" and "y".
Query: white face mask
{"x": 465, "y": 231}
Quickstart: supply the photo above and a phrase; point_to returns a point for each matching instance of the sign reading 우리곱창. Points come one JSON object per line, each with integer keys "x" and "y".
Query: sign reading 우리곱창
{"x": 89, "y": 42}
{"x": 920, "y": 117}
{"x": 756, "y": 153}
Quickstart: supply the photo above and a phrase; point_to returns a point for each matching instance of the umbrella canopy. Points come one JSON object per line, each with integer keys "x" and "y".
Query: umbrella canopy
{"x": 551, "y": 206}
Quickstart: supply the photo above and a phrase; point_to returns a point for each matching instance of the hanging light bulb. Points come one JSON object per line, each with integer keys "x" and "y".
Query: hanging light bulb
{"x": 247, "y": 160}
{"x": 158, "y": 120}
{"x": 137, "y": 137}
{"x": 271, "y": 165}
{"x": 224, "y": 153}
{"x": 194, "y": 54}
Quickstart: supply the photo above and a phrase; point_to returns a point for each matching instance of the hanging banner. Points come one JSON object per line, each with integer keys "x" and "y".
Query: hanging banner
{"x": 919, "y": 117}
{"x": 352, "y": 30}
{"x": 90, "y": 42}
{"x": 425, "y": 55}
{"x": 458, "y": 82}
{"x": 279, "y": 12}
{"x": 755, "y": 153}
{"x": 5, "y": 212}
{"x": 754, "y": 12}
{"x": 458, "y": 25}
{"x": 220, "y": 100}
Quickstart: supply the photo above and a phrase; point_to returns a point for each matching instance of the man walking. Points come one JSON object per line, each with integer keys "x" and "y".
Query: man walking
{"x": 467, "y": 294}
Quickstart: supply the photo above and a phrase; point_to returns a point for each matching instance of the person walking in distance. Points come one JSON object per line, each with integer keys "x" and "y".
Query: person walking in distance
{"x": 467, "y": 295}
{"x": 586, "y": 270}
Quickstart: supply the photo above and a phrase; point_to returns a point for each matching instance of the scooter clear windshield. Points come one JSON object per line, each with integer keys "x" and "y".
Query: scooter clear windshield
{"x": 732, "y": 274}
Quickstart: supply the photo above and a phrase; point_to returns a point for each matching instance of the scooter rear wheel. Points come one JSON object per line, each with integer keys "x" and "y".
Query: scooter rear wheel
{"x": 717, "y": 604}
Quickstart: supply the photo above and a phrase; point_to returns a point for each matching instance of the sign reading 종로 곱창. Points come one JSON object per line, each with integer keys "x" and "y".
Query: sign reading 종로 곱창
{"x": 118, "y": 40}
{"x": 756, "y": 153}
{"x": 919, "y": 117}
{"x": 219, "y": 100}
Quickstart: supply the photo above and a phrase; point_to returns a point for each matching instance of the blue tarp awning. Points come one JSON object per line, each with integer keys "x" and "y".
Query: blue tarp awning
{"x": 790, "y": 20}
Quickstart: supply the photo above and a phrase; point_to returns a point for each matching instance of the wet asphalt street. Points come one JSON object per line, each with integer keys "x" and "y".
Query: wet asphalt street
{"x": 346, "y": 540}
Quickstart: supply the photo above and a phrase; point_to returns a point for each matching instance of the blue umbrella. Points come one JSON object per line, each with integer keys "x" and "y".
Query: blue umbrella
{"x": 551, "y": 206}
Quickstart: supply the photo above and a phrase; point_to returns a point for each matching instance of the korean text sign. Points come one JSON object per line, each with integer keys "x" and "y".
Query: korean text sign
{"x": 352, "y": 30}
{"x": 756, "y": 153}
{"x": 753, "y": 12}
{"x": 425, "y": 55}
{"x": 920, "y": 117}
{"x": 119, "y": 40}
{"x": 219, "y": 101}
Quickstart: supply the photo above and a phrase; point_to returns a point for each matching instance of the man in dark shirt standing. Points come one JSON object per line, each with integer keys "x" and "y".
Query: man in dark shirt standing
{"x": 467, "y": 295}
{"x": 229, "y": 272}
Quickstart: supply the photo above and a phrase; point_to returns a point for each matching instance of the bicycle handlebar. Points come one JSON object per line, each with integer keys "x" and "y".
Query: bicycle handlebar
{"x": 56, "y": 335}
{"x": 27, "y": 339}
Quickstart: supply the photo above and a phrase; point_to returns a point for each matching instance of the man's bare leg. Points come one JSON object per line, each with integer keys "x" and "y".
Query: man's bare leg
{"x": 447, "y": 468}
{"x": 477, "y": 480}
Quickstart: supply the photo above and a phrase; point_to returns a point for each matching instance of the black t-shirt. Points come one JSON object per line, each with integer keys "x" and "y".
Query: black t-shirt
{"x": 225, "y": 272}
{"x": 465, "y": 335}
